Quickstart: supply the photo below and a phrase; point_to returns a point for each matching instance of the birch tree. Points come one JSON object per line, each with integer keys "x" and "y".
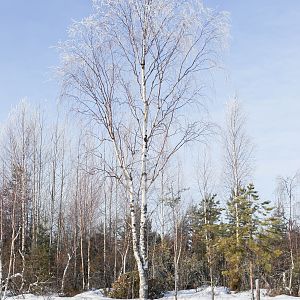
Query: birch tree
{"x": 173, "y": 200}
{"x": 209, "y": 215}
{"x": 238, "y": 155}
{"x": 237, "y": 170}
{"x": 134, "y": 68}
{"x": 287, "y": 188}
{"x": 238, "y": 148}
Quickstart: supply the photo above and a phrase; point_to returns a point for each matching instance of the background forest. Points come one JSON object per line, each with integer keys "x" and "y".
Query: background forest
{"x": 65, "y": 224}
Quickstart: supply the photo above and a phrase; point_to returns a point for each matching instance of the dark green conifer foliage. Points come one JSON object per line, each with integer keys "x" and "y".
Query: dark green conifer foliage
{"x": 250, "y": 228}
{"x": 207, "y": 228}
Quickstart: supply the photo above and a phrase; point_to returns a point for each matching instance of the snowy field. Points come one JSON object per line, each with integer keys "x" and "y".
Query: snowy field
{"x": 204, "y": 294}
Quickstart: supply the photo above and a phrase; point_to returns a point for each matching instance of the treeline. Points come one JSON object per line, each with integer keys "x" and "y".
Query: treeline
{"x": 65, "y": 222}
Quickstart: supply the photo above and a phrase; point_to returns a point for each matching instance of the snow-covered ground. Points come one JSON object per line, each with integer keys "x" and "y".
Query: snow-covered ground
{"x": 201, "y": 294}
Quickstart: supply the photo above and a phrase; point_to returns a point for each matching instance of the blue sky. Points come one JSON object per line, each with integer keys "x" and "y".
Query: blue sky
{"x": 28, "y": 31}
{"x": 262, "y": 67}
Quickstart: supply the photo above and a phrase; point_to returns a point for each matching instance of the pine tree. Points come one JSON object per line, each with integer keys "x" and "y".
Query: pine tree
{"x": 274, "y": 250}
{"x": 248, "y": 230}
{"x": 206, "y": 227}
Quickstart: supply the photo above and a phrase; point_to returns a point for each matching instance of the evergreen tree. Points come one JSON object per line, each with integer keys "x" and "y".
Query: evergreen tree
{"x": 248, "y": 230}
{"x": 206, "y": 227}
{"x": 270, "y": 251}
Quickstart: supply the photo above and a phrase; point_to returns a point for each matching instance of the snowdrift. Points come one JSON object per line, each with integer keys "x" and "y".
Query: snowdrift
{"x": 221, "y": 293}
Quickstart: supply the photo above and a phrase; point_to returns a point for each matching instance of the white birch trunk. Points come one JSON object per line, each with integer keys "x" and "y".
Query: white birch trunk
{"x": 104, "y": 239}
{"x": 62, "y": 289}
{"x": 143, "y": 269}
{"x": 82, "y": 231}
{"x": 89, "y": 261}
{"x": 14, "y": 236}
{"x": 115, "y": 232}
